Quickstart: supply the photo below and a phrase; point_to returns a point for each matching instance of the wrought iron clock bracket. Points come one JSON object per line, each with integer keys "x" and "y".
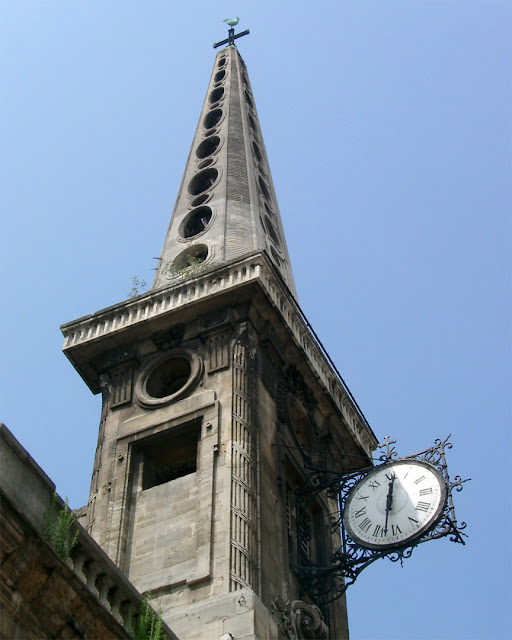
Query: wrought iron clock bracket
{"x": 328, "y": 583}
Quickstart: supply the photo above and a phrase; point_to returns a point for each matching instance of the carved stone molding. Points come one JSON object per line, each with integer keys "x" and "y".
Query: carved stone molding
{"x": 298, "y": 620}
{"x": 114, "y": 357}
{"x": 293, "y": 382}
{"x": 243, "y": 457}
{"x": 213, "y": 319}
{"x": 170, "y": 338}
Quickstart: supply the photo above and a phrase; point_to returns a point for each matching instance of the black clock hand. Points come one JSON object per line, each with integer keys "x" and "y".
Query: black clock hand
{"x": 389, "y": 502}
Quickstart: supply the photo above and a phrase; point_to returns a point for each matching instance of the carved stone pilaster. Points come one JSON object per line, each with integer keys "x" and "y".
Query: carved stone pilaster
{"x": 243, "y": 456}
{"x": 121, "y": 381}
{"x": 216, "y": 330}
{"x": 298, "y": 620}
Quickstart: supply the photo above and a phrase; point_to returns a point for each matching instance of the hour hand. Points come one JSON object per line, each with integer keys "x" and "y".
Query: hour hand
{"x": 389, "y": 500}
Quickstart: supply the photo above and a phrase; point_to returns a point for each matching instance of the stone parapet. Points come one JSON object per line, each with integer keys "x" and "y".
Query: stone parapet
{"x": 42, "y": 595}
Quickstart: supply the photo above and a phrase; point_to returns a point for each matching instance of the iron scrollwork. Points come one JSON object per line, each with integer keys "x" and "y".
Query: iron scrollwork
{"x": 324, "y": 584}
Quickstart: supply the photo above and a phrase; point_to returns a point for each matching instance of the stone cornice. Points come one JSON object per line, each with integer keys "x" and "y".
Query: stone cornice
{"x": 252, "y": 268}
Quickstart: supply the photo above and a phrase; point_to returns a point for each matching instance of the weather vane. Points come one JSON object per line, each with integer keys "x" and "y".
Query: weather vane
{"x": 230, "y": 40}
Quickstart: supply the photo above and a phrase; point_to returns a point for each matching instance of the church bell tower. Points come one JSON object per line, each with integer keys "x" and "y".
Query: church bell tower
{"x": 216, "y": 397}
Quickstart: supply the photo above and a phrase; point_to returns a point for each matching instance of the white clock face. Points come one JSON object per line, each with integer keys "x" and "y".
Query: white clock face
{"x": 394, "y": 504}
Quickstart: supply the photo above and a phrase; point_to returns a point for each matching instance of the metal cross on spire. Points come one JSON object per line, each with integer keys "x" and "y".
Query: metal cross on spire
{"x": 230, "y": 40}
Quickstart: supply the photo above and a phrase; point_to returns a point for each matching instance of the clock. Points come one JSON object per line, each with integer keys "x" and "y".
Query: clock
{"x": 395, "y": 504}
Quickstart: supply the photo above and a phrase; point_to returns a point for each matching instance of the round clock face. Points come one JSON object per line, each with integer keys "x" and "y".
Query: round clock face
{"x": 394, "y": 504}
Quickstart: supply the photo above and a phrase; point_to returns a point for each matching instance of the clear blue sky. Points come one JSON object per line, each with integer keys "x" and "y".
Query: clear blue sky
{"x": 388, "y": 128}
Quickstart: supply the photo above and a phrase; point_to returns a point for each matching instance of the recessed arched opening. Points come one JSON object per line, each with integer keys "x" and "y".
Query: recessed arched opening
{"x": 252, "y": 122}
{"x": 190, "y": 258}
{"x": 275, "y": 257}
{"x": 202, "y": 181}
{"x": 212, "y": 118}
{"x": 257, "y": 152}
{"x": 221, "y": 62}
{"x": 272, "y": 232}
{"x": 205, "y": 163}
{"x": 168, "y": 377}
{"x": 207, "y": 147}
{"x": 248, "y": 99}
{"x": 196, "y": 202}
{"x": 196, "y": 222}
{"x": 264, "y": 188}
{"x": 268, "y": 209}
{"x": 220, "y": 75}
{"x": 216, "y": 95}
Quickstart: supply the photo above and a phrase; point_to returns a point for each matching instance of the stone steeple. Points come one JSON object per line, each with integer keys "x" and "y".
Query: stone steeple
{"x": 226, "y": 205}
{"x": 215, "y": 393}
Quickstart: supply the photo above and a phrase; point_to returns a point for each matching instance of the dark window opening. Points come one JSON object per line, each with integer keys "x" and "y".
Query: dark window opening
{"x": 207, "y": 147}
{"x": 202, "y": 181}
{"x": 196, "y": 222}
{"x": 205, "y": 163}
{"x": 257, "y": 152}
{"x": 191, "y": 257}
{"x": 216, "y": 95}
{"x": 168, "y": 377}
{"x": 264, "y": 188}
{"x": 170, "y": 455}
{"x": 212, "y": 118}
{"x": 199, "y": 200}
{"x": 272, "y": 232}
{"x": 248, "y": 99}
{"x": 220, "y": 75}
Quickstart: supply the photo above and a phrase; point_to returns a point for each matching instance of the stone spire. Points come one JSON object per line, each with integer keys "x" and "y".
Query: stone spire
{"x": 226, "y": 205}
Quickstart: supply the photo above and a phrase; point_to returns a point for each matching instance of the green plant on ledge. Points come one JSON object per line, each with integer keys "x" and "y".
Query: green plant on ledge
{"x": 148, "y": 624}
{"x": 194, "y": 264}
{"x": 137, "y": 287}
{"x": 57, "y": 528}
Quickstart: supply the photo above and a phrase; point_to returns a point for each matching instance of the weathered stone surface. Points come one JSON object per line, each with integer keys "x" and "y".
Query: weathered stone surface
{"x": 41, "y": 595}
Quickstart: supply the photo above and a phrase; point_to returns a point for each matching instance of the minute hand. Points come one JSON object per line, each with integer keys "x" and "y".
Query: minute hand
{"x": 389, "y": 502}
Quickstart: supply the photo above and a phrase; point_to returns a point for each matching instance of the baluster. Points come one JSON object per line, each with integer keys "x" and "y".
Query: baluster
{"x": 116, "y": 597}
{"x": 78, "y": 559}
{"x": 104, "y": 585}
{"x": 127, "y": 610}
{"x": 92, "y": 571}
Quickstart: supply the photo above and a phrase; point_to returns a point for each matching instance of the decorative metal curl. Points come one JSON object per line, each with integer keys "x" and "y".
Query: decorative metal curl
{"x": 324, "y": 584}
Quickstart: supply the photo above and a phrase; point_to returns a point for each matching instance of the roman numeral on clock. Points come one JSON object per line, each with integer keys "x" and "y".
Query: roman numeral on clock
{"x": 360, "y": 512}
{"x": 365, "y": 498}
{"x": 365, "y": 525}
{"x": 425, "y": 492}
{"x": 422, "y": 506}
{"x": 413, "y": 521}
{"x": 420, "y": 479}
{"x": 395, "y": 530}
{"x": 378, "y": 531}
{"x": 374, "y": 484}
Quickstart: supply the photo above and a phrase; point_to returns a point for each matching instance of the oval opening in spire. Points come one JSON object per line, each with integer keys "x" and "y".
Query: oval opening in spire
{"x": 220, "y": 75}
{"x": 213, "y": 118}
{"x": 196, "y": 222}
{"x": 216, "y": 95}
{"x": 208, "y": 147}
{"x": 190, "y": 258}
{"x": 264, "y": 188}
{"x": 202, "y": 181}
{"x": 272, "y": 232}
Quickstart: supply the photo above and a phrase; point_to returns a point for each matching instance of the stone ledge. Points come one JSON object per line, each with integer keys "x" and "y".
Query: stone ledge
{"x": 255, "y": 269}
{"x": 43, "y": 596}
